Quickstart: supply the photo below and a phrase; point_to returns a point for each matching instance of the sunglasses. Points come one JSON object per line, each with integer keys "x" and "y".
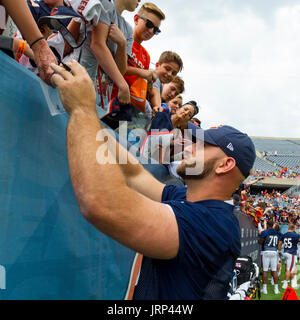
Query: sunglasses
{"x": 150, "y": 25}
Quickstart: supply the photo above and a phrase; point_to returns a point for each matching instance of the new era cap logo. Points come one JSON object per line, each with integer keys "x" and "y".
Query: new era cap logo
{"x": 230, "y": 146}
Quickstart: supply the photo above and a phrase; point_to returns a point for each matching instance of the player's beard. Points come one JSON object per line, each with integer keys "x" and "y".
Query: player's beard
{"x": 207, "y": 170}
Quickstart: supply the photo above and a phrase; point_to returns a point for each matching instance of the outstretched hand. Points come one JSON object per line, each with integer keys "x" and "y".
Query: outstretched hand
{"x": 75, "y": 87}
{"x": 43, "y": 57}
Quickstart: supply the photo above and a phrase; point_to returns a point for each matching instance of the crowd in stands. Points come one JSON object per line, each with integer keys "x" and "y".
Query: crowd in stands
{"x": 277, "y": 206}
{"x": 283, "y": 173}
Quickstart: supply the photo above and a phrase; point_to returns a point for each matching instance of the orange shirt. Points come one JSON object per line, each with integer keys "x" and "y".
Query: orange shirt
{"x": 140, "y": 58}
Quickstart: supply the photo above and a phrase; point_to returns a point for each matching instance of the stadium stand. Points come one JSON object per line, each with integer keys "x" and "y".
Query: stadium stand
{"x": 278, "y": 157}
{"x": 262, "y": 165}
{"x": 290, "y": 161}
{"x": 295, "y": 191}
{"x": 277, "y": 145}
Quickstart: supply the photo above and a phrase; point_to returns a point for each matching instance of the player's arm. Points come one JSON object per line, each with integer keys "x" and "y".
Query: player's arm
{"x": 105, "y": 59}
{"x": 105, "y": 199}
{"x": 112, "y": 197}
{"x": 135, "y": 175}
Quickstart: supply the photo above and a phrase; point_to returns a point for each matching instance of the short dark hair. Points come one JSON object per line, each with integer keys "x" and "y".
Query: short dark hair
{"x": 291, "y": 226}
{"x": 277, "y": 227}
{"x": 270, "y": 223}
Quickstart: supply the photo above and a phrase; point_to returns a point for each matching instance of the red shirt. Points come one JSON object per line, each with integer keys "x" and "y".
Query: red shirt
{"x": 140, "y": 59}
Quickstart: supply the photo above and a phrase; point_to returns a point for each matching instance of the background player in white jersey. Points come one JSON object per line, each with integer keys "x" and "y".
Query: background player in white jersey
{"x": 290, "y": 241}
{"x": 269, "y": 238}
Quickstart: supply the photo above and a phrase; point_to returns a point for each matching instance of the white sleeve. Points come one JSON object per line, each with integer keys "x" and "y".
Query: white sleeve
{"x": 93, "y": 10}
{"x": 2, "y": 17}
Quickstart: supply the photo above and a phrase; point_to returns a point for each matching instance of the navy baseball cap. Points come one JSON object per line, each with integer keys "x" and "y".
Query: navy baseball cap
{"x": 233, "y": 143}
{"x": 117, "y": 112}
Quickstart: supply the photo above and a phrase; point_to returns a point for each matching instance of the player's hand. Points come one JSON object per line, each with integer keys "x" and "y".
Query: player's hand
{"x": 75, "y": 87}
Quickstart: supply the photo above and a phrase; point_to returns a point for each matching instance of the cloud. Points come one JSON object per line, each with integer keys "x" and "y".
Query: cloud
{"x": 241, "y": 62}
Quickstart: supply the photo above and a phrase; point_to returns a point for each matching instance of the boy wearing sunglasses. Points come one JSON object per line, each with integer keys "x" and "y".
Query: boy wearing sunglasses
{"x": 146, "y": 24}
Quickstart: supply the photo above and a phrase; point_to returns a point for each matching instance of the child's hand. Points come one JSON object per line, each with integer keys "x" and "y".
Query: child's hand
{"x": 43, "y": 57}
{"x": 124, "y": 95}
{"x": 116, "y": 35}
{"x": 156, "y": 109}
{"x": 150, "y": 76}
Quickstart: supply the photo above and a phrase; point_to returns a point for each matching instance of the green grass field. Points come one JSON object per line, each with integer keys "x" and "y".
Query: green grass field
{"x": 271, "y": 295}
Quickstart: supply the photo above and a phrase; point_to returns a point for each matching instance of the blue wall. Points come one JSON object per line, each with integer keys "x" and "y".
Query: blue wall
{"x": 47, "y": 249}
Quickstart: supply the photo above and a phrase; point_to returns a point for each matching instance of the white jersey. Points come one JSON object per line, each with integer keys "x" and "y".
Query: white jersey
{"x": 2, "y": 18}
{"x": 91, "y": 10}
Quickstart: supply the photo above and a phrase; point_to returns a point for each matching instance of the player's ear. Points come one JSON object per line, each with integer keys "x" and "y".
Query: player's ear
{"x": 225, "y": 165}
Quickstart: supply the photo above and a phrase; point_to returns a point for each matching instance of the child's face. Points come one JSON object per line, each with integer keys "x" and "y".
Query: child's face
{"x": 141, "y": 32}
{"x": 186, "y": 112}
{"x": 175, "y": 104}
{"x": 166, "y": 71}
{"x": 170, "y": 91}
{"x": 131, "y": 5}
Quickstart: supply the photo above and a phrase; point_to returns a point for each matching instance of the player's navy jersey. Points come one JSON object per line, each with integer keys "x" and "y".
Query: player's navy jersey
{"x": 271, "y": 239}
{"x": 209, "y": 243}
{"x": 290, "y": 242}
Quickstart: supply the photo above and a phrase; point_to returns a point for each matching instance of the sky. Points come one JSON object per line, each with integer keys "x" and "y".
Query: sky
{"x": 241, "y": 61}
